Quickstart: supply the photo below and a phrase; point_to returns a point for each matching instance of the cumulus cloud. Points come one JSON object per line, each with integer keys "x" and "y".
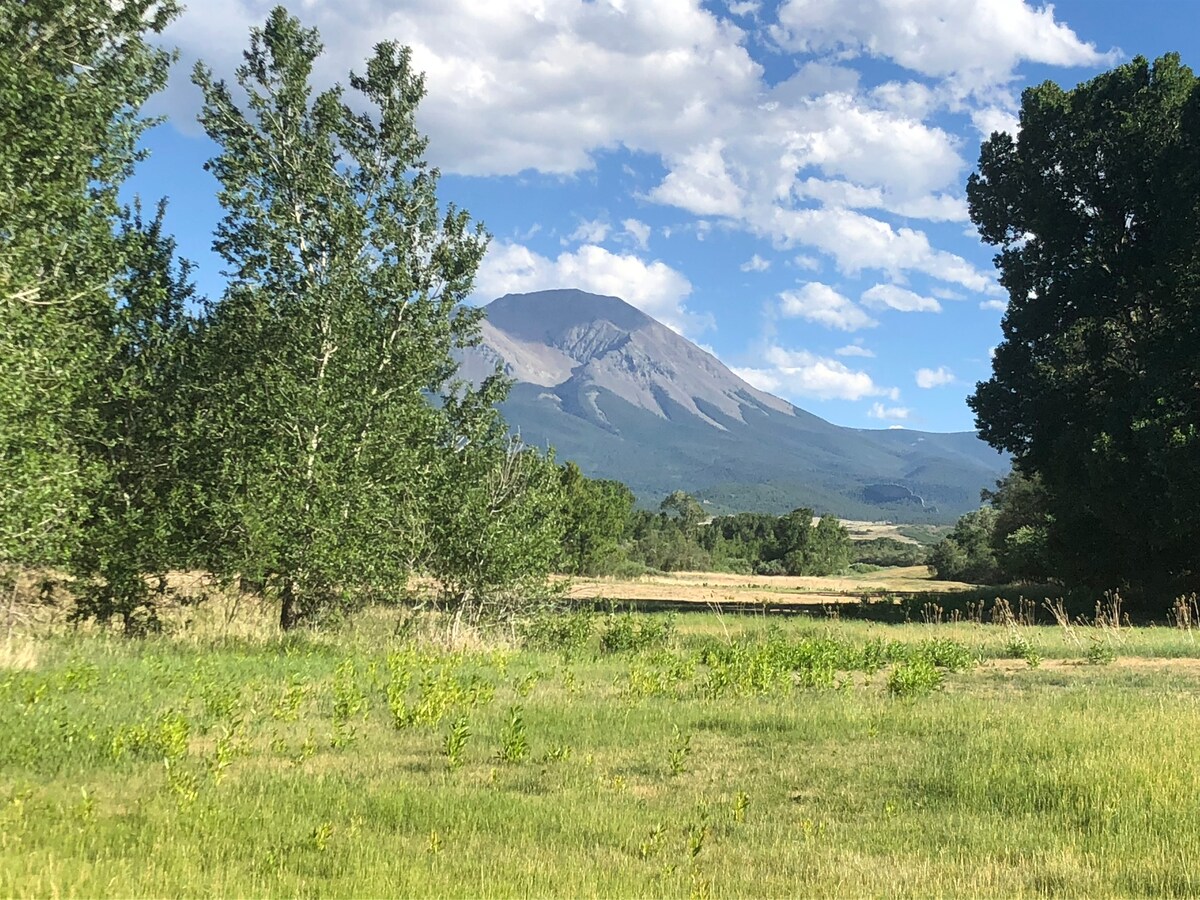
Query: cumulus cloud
{"x": 932, "y": 378}
{"x": 998, "y": 305}
{"x": 639, "y": 231}
{"x": 593, "y": 231}
{"x": 992, "y": 118}
{"x": 653, "y": 287}
{"x": 857, "y": 242}
{"x": 546, "y": 85}
{"x": 526, "y": 84}
{"x": 932, "y": 207}
{"x": 889, "y": 296}
{"x": 755, "y": 264}
{"x": 855, "y": 349}
{"x": 820, "y": 303}
{"x": 700, "y": 182}
{"x": 973, "y": 43}
{"x": 894, "y": 413}
{"x": 799, "y": 373}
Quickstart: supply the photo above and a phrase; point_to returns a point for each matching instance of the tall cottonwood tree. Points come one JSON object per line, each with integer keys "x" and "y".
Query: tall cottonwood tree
{"x": 73, "y": 78}
{"x": 343, "y": 306}
{"x": 1095, "y": 389}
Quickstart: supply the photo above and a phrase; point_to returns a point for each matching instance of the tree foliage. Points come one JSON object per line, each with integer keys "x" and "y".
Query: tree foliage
{"x": 350, "y": 456}
{"x": 967, "y": 553}
{"x": 1095, "y": 388}
{"x": 141, "y": 503}
{"x": 73, "y": 79}
{"x": 595, "y": 512}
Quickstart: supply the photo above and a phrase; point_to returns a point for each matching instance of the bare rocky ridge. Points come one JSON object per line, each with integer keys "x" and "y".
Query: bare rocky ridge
{"x": 627, "y": 398}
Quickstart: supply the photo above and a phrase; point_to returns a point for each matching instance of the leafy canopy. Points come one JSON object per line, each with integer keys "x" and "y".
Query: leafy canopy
{"x": 1094, "y": 206}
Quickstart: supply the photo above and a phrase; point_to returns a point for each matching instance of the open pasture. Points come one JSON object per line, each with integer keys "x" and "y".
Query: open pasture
{"x": 591, "y": 754}
{"x": 717, "y": 588}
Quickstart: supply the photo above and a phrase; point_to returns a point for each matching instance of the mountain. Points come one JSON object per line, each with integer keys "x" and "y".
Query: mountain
{"x": 625, "y": 397}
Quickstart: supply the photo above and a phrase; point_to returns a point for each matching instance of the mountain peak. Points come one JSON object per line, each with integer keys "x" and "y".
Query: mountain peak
{"x": 546, "y": 316}
{"x": 576, "y": 341}
{"x": 626, "y": 397}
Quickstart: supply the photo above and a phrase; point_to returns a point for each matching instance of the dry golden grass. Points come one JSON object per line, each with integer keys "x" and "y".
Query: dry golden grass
{"x": 17, "y": 652}
{"x": 717, "y": 587}
{"x": 869, "y": 531}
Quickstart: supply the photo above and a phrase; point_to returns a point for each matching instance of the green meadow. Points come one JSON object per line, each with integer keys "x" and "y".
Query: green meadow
{"x": 610, "y": 755}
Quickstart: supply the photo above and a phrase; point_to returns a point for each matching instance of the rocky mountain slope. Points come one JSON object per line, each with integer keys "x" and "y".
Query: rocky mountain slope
{"x": 627, "y": 398}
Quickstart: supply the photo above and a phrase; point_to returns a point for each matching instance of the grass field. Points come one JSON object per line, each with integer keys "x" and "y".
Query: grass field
{"x": 598, "y": 754}
{"x": 716, "y": 588}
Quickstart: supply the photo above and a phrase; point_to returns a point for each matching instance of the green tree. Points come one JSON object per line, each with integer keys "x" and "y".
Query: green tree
{"x": 141, "y": 503}
{"x": 1094, "y": 206}
{"x": 595, "y": 515}
{"x": 966, "y": 554}
{"x": 685, "y": 509}
{"x": 1020, "y": 535}
{"x": 495, "y": 514}
{"x": 73, "y": 79}
{"x": 344, "y": 304}
{"x": 829, "y": 548}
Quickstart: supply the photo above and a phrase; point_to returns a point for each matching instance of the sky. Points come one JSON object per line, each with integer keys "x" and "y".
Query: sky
{"x": 781, "y": 182}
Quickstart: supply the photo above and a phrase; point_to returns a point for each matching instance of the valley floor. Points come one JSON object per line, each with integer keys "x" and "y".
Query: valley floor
{"x": 717, "y": 588}
{"x": 597, "y": 754}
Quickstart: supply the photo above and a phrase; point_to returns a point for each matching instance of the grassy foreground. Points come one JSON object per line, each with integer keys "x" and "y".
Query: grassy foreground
{"x": 605, "y": 755}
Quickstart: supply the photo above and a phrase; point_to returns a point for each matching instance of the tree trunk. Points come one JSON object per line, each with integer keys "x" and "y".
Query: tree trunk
{"x": 289, "y": 607}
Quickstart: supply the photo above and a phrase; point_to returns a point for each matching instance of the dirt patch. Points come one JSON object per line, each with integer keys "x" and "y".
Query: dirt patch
{"x": 1181, "y": 665}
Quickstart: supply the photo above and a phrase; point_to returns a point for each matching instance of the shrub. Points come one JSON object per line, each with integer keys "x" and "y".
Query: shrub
{"x": 1100, "y": 653}
{"x": 770, "y": 567}
{"x": 914, "y": 678}
{"x": 627, "y": 632}
{"x": 566, "y": 632}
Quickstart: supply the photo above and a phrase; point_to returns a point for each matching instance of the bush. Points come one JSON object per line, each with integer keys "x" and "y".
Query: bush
{"x": 914, "y": 678}
{"x": 567, "y": 632}
{"x": 770, "y": 567}
{"x": 627, "y": 632}
{"x": 1100, "y": 653}
{"x": 1020, "y": 647}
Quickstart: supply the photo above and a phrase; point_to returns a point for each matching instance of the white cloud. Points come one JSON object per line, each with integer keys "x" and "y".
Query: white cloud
{"x": 700, "y": 182}
{"x": 819, "y": 302}
{"x": 755, "y": 264}
{"x": 972, "y": 43}
{"x": 896, "y": 413}
{"x": 933, "y": 207}
{"x": 799, "y": 373}
{"x": 889, "y": 296}
{"x": 518, "y": 85}
{"x": 998, "y": 305}
{"x": 589, "y": 231}
{"x": 995, "y": 119}
{"x": 639, "y": 231}
{"x": 654, "y": 287}
{"x": 857, "y": 242}
{"x": 745, "y": 8}
{"x": 932, "y": 378}
{"x": 855, "y": 349}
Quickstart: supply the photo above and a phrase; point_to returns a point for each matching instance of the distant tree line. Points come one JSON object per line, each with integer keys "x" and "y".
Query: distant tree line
{"x": 680, "y": 536}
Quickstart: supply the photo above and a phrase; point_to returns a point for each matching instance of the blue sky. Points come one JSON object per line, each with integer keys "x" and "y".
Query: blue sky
{"x": 783, "y": 182}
